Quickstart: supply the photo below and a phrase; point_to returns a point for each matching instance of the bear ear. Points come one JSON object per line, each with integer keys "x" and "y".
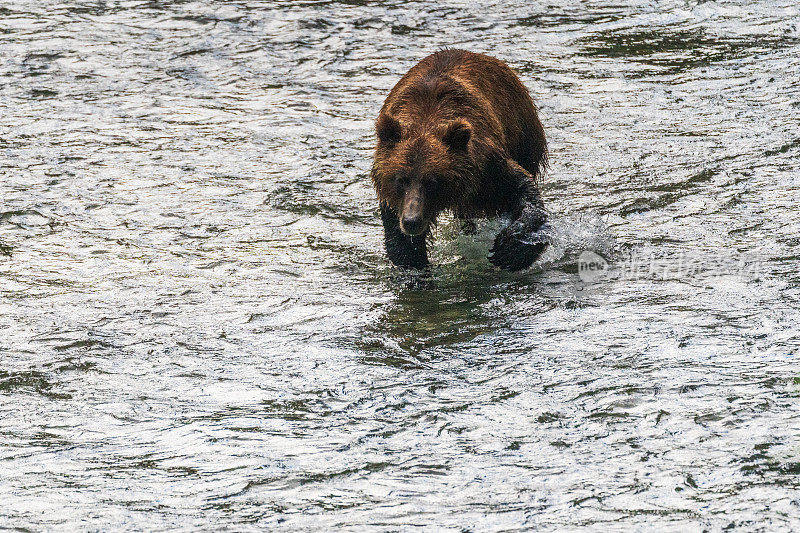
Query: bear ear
{"x": 388, "y": 130}
{"x": 457, "y": 135}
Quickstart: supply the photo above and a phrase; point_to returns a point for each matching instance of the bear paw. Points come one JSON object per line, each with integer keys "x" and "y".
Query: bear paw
{"x": 514, "y": 251}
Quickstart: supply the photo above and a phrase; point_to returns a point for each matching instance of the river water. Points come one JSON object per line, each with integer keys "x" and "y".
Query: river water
{"x": 199, "y": 328}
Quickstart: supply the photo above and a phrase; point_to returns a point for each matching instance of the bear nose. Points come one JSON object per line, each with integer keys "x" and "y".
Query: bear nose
{"x": 412, "y": 225}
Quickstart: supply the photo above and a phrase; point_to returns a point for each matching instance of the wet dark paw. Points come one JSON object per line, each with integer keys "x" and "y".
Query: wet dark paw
{"x": 512, "y": 251}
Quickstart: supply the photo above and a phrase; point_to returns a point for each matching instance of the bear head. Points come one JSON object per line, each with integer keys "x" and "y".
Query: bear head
{"x": 421, "y": 171}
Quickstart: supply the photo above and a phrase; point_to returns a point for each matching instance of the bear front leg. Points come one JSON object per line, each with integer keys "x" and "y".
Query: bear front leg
{"x": 521, "y": 243}
{"x": 403, "y": 250}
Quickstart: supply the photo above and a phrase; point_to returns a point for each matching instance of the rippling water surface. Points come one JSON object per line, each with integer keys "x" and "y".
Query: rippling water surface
{"x": 199, "y": 327}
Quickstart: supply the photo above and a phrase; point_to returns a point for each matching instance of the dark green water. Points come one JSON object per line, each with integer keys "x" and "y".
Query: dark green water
{"x": 199, "y": 328}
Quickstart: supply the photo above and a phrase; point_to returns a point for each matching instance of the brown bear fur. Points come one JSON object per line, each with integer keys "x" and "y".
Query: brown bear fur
{"x": 460, "y": 132}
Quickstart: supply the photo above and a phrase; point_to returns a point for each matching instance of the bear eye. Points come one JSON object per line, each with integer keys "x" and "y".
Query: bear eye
{"x": 402, "y": 181}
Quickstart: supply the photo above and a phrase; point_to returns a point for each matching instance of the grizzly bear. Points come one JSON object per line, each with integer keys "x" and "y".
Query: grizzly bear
{"x": 460, "y": 132}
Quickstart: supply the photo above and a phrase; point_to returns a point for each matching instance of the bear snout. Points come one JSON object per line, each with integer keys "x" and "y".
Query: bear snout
{"x": 413, "y": 224}
{"x": 412, "y": 216}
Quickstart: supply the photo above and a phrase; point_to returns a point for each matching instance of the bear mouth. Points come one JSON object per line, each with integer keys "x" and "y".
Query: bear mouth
{"x": 415, "y": 231}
